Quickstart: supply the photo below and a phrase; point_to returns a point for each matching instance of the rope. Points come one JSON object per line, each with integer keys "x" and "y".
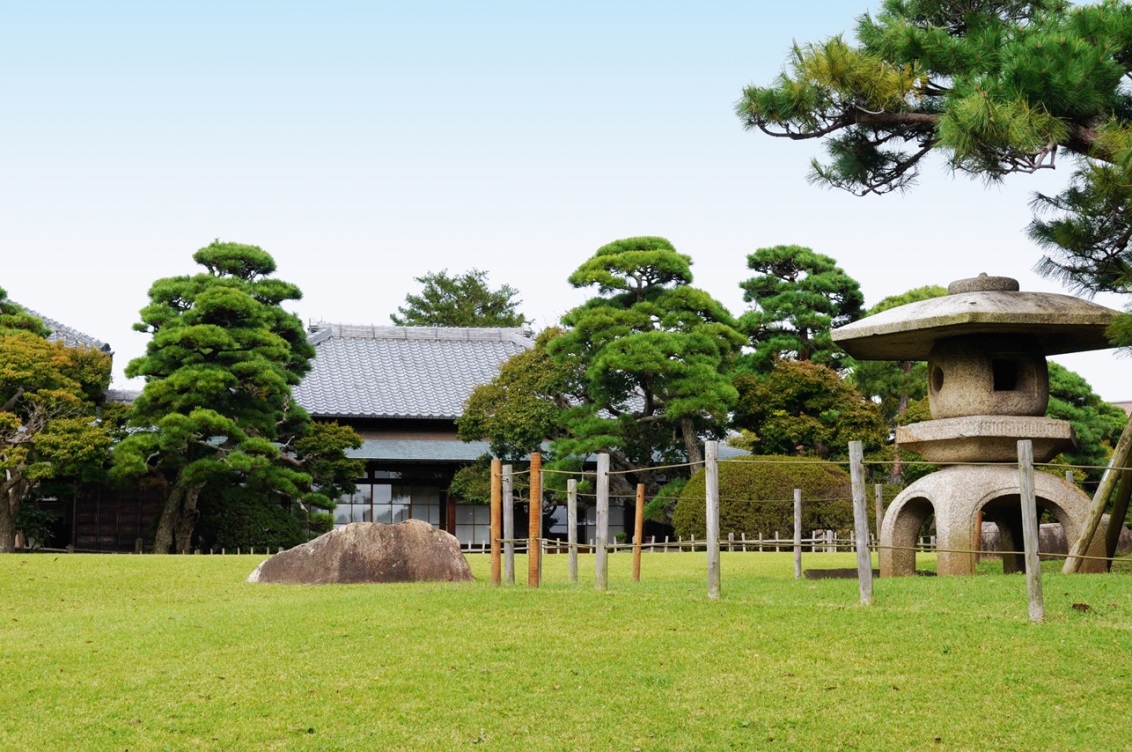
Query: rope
{"x": 652, "y": 469}
{"x": 569, "y": 472}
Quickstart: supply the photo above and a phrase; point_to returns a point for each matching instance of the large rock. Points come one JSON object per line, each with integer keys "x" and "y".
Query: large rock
{"x": 412, "y": 551}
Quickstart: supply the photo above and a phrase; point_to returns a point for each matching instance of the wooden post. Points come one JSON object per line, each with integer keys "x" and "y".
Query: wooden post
{"x": 1120, "y": 457}
{"x": 1118, "y": 516}
{"x": 1030, "y": 529}
{"x": 1069, "y": 477}
{"x": 638, "y": 532}
{"x": 496, "y": 521}
{"x": 797, "y": 533}
{"x": 542, "y": 543}
{"x": 878, "y": 495}
{"x": 601, "y": 535}
{"x": 572, "y": 525}
{"x": 978, "y": 537}
{"x": 743, "y": 537}
{"x": 508, "y": 488}
{"x": 731, "y": 542}
{"x": 861, "y": 522}
{"x": 711, "y": 465}
{"x": 534, "y": 523}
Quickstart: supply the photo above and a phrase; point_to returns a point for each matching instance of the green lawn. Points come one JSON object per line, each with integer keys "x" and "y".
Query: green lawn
{"x": 156, "y": 653}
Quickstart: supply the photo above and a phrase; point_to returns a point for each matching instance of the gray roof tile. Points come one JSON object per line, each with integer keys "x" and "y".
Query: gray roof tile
{"x": 426, "y": 450}
{"x": 67, "y": 335}
{"x": 402, "y": 372}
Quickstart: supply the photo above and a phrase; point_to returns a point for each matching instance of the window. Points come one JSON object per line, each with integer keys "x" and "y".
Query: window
{"x": 473, "y": 524}
{"x": 382, "y": 502}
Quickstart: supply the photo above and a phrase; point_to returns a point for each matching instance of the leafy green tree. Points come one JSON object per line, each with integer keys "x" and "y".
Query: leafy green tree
{"x": 894, "y": 384}
{"x": 49, "y": 395}
{"x": 803, "y": 408}
{"x": 640, "y": 371}
{"x": 252, "y": 513}
{"x": 652, "y": 355}
{"x": 217, "y": 406}
{"x": 1097, "y": 424}
{"x": 517, "y": 411}
{"x": 461, "y": 300}
{"x": 797, "y": 297}
{"x": 524, "y": 405}
{"x": 995, "y": 88}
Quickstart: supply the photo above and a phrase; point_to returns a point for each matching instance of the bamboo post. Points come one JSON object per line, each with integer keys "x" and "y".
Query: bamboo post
{"x": 878, "y": 496}
{"x": 1119, "y": 460}
{"x": 508, "y": 488}
{"x": 711, "y": 464}
{"x": 1030, "y": 529}
{"x": 496, "y": 521}
{"x": 638, "y": 532}
{"x": 572, "y": 528}
{"x": 861, "y": 522}
{"x": 601, "y": 563}
{"x": 797, "y": 533}
{"x": 534, "y": 522}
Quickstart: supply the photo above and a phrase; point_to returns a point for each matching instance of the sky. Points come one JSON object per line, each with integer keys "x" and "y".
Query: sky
{"x": 365, "y": 144}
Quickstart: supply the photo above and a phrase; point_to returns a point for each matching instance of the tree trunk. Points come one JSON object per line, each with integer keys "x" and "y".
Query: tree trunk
{"x": 163, "y": 538}
{"x": 187, "y": 519}
{"x": 897, "y": 475}
{"x": 7, "y": 522}
{"x": 12, "y": 492}
{"x": 691, "y": 441}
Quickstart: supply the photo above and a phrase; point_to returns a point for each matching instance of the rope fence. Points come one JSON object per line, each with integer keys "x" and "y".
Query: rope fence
{"x": 865, "y": 541}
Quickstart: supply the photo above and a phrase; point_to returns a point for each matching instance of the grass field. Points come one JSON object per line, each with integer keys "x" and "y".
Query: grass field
{"x": 178, "y": 653}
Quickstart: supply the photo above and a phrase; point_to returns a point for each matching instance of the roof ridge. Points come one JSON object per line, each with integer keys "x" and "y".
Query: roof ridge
{"x": 333, "y": 330}
{"x": 67, "y": 334}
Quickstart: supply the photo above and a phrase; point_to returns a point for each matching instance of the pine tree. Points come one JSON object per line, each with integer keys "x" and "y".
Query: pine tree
{"x": 798, "y": 297}
{"x": 996, "y": 88}
{"x": 217, "y": 406}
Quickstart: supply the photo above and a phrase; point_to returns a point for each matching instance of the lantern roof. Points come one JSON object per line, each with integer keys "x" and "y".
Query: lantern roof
{"x": 982, "y": 305}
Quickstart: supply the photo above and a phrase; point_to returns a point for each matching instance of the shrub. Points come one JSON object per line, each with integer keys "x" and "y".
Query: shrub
{"x": 757, "y": 496}
{"x": 237, "y": 518}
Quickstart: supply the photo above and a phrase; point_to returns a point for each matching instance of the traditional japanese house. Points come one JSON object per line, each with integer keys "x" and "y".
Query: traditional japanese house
{"x": 402, "y": 389}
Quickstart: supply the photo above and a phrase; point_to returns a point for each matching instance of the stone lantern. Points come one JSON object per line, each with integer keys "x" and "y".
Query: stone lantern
{"x": 988, "y": 386}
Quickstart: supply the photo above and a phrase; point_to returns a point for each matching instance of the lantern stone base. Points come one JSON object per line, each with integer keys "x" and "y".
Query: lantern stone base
{"x": 956, "y": 495}
{"x": 985, "y": 438}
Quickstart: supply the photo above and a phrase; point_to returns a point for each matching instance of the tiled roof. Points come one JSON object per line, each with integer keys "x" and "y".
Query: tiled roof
{"x": 124, "y": 396}
{"x": 402, "y": 371}
{"x": 427, "y": 450}
{"x": 450, "y": 450}
{"x": 68, "y": 336}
